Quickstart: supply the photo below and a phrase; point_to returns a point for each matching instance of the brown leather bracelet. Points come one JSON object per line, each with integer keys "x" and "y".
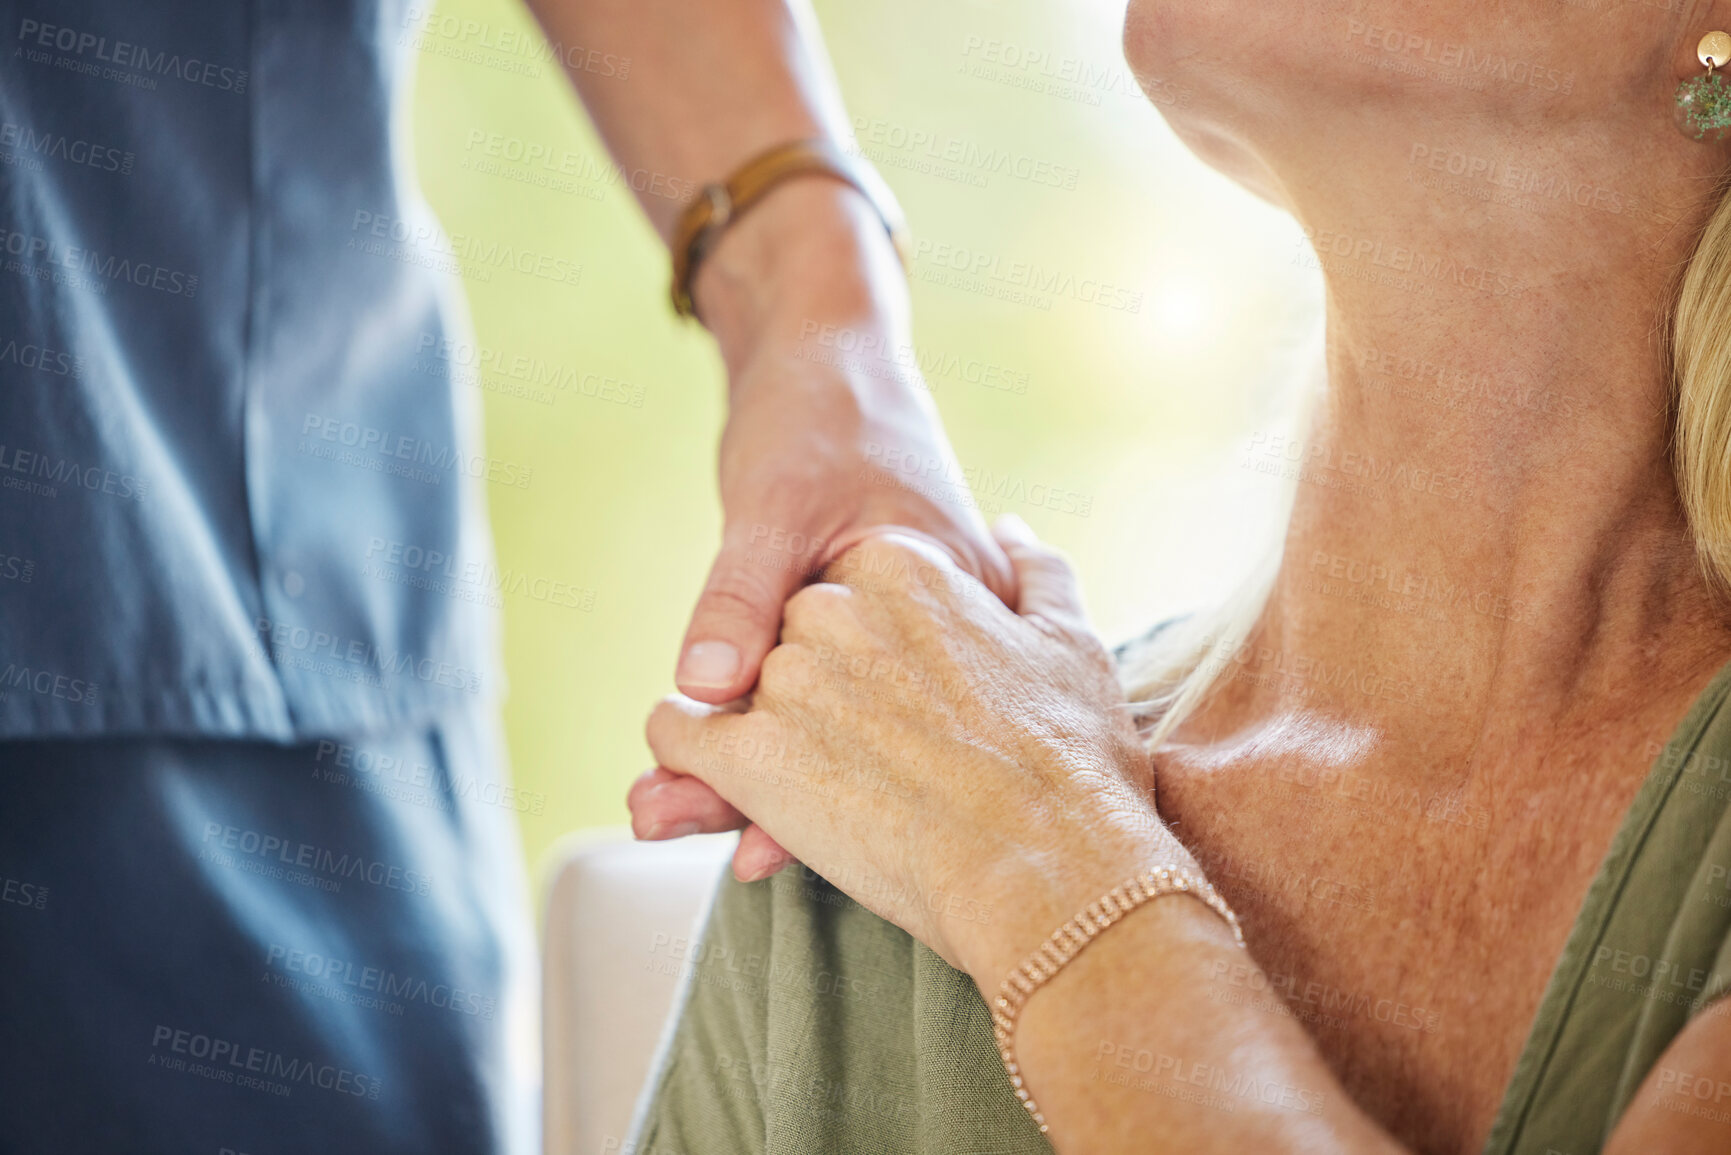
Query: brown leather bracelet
{"x": 717, "y": 206}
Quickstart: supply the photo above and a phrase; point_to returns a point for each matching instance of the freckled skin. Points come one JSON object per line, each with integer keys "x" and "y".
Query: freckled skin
{"x": 1468, "y": 658}
{"x": 1535, "y": 732}
{"x": 874, "y": 675}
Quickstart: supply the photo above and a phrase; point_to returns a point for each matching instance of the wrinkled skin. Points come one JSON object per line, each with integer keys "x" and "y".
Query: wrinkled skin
{"x": 905, "y": 697}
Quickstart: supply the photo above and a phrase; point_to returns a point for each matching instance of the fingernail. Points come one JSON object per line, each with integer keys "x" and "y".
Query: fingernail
{"x": 666, "y": 830}
{"x": 711, "y": 665}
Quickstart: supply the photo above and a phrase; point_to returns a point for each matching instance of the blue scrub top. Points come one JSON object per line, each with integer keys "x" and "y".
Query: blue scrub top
{"x": 239, "y": 482}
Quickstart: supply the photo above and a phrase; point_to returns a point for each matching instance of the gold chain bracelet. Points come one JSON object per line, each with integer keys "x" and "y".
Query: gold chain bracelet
{"x": 1068, "y": 941}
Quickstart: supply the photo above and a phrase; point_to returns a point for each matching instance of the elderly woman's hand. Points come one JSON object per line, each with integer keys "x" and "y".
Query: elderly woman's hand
{"x": 969, "y": 773}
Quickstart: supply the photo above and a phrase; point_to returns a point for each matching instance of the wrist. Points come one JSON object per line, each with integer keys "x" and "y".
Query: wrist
{"x": 1040, "y": 906}
{"x": 813, "y": 254}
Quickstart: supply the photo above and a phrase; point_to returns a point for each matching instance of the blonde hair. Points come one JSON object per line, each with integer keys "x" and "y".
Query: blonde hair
{"x": 1701, "y": 367}
{"x": 1167, "y": 677}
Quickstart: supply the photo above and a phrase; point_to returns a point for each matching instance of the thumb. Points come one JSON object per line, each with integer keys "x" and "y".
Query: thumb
{"x": 737, "y": 620}
{"x": 1048, "y": 585}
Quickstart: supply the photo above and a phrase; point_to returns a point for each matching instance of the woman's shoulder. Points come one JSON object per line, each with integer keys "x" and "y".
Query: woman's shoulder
{"x": 810, "y": 1024}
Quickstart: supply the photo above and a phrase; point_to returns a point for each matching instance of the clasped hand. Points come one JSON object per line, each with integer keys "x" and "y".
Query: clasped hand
{"x": 968, "y": 772}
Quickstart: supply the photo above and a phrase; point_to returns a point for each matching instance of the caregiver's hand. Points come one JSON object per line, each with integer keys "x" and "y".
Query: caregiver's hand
{"x": 831, "y": 433}
{"x": 831, "y": 436}
{"x": 967, "y": 772}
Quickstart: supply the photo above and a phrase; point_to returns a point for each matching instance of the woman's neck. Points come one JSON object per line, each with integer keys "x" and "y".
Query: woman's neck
{"x": 1485, "y": 510}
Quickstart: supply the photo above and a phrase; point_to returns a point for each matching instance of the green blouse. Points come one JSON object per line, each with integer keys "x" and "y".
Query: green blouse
{"x": 806, "y": 1024}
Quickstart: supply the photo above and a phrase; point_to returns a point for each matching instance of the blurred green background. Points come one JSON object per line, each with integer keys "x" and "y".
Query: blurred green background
{"x": 1061, "y": 162}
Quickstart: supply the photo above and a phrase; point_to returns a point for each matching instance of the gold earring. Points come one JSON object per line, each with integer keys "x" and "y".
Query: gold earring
{"x": 1703, "y": 103}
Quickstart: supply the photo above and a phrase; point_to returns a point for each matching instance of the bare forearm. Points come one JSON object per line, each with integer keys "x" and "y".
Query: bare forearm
{"x": 1121, "y": 1050}
{"x": 710, "y": 85}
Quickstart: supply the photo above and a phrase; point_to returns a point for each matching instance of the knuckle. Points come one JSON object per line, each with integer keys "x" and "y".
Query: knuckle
{"x": 897, "y": 547}
{"x": 660, "y": 728}
{"x": 787, "y": 667}
{"x": 889, "y": 561}
{"x": 815, "y": 607}
{"x": 1045, "y": 562}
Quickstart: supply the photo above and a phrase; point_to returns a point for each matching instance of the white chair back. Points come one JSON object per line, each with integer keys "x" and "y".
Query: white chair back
{"x": 620, "y": 919}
